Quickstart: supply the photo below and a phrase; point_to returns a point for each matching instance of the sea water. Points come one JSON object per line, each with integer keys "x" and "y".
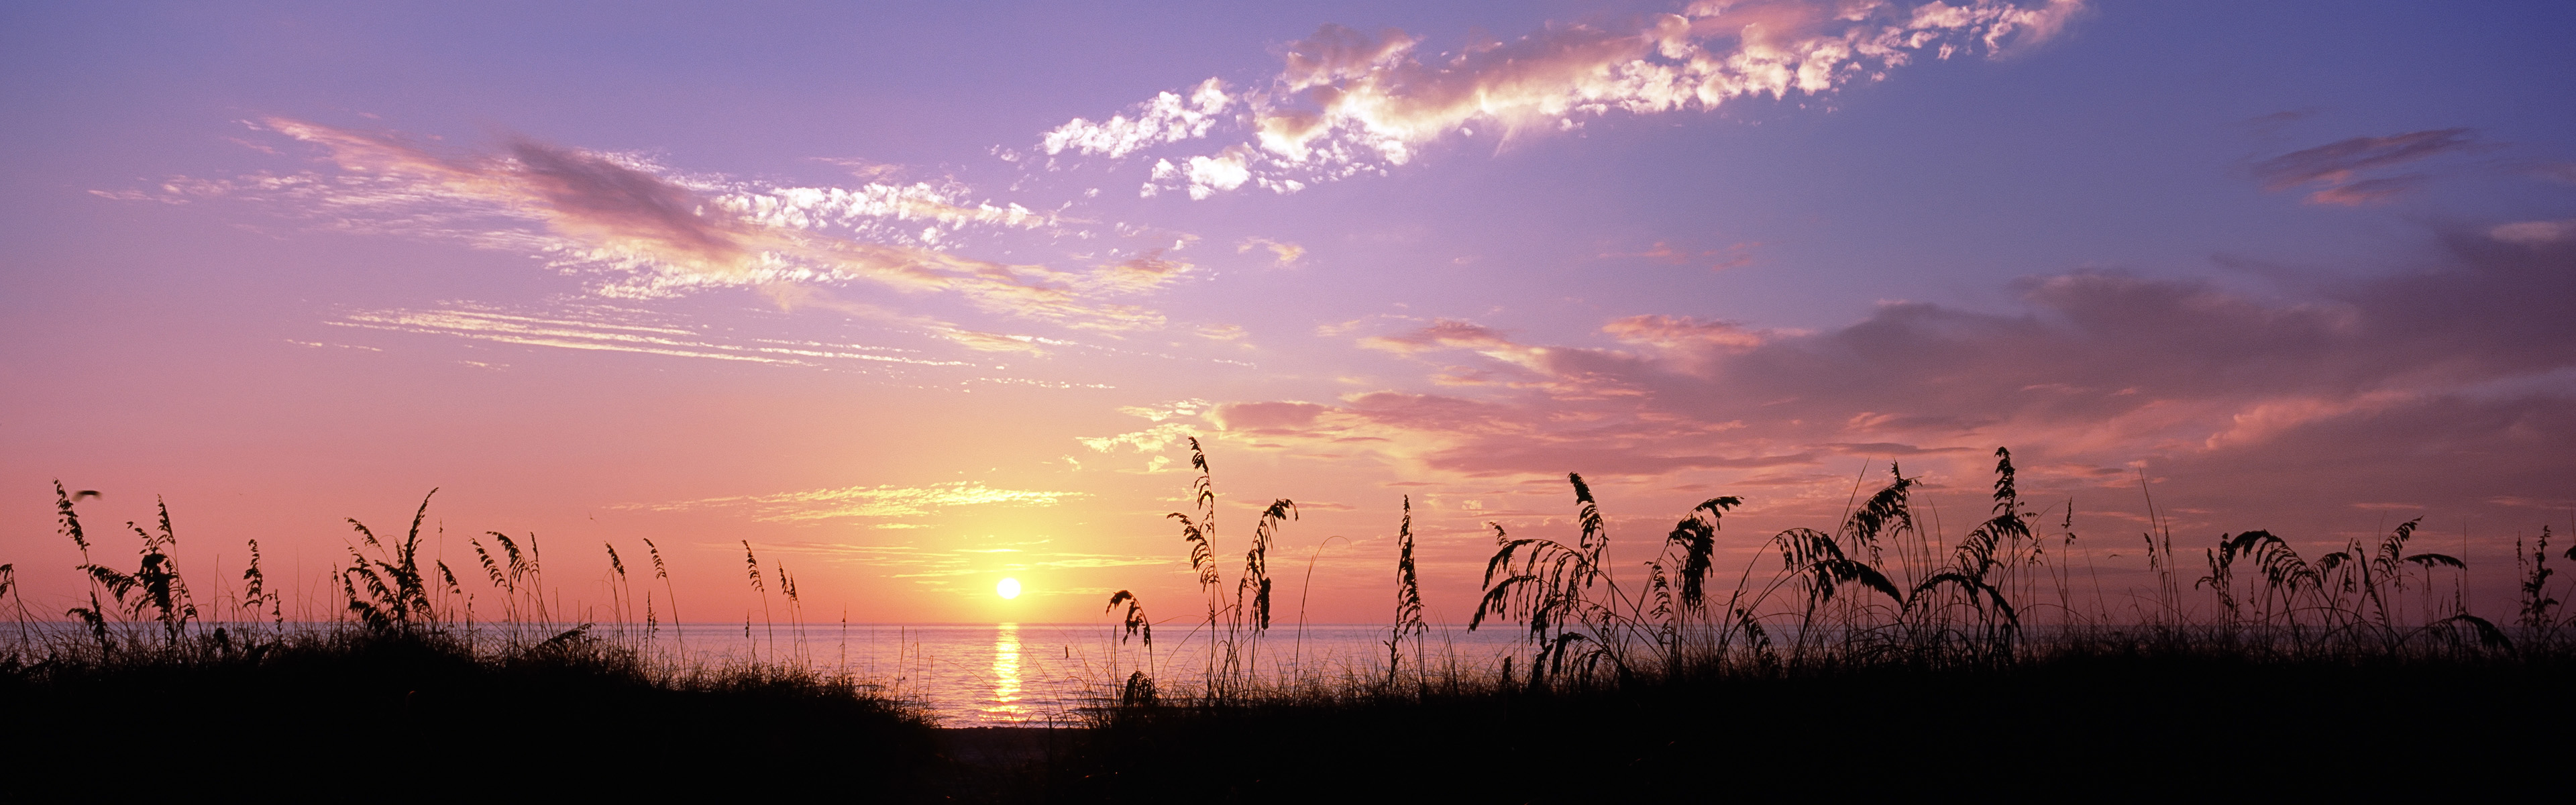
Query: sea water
{"x": 994, "y": 674}
{"x": 971, "y": 675}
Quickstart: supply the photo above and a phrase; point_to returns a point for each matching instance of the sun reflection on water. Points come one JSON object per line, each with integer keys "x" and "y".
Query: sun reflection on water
{"x": 1005, "y": 702}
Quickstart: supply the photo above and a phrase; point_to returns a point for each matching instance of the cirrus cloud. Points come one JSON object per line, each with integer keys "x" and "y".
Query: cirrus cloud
{"x": 644, "y": 231}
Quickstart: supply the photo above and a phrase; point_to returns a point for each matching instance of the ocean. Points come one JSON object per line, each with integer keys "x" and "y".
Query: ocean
{"x": 981, "y": 675}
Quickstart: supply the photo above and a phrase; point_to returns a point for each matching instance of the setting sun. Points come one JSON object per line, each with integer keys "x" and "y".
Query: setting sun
{"x": 1009, "y": 588}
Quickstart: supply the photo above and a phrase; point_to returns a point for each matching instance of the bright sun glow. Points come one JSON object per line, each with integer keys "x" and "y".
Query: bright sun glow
{"x": 1009, "y": 588}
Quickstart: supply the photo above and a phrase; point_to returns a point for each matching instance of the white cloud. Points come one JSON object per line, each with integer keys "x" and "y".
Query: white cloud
{"x": 1348, "y": 102}
{"x": 1168, "y": 118}
{"x": 1225, "y": 171}
{"x": 1284, "y": 254}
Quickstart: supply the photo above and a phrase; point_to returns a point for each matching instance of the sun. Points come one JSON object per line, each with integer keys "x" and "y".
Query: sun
{"x": 1009, "y": 588}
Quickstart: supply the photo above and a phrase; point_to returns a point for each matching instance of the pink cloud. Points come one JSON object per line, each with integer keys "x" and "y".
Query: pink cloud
{"x": 1735, "y": 256}
{"x": 2561, "y": 172}
{"x": 2367, "y": 191}
{"x": 2101, "y": 370}
{"x": 647, "y": 233}
{"x": 2338, "y": 165}
{"x": 2336, "y": 162}
{"x": 1265, "y": 415}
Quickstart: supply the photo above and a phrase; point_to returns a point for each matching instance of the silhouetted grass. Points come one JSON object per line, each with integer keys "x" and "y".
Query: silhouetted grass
{"x": 1874, "y": 659}
{"x": 387, "y": 714}
{"x": 1942, "y": 672}
{"x": 2124, "y": 722}
{"x": 409, "y": 698}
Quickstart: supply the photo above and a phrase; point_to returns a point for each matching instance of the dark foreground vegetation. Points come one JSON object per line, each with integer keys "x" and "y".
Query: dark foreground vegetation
{"x": 409, "y": 696}
{"x": 386, "y": 716}
{"x": 377, "y": 715}
{"x": 1870, "y": 661}
{"x": 2079, "y": 726}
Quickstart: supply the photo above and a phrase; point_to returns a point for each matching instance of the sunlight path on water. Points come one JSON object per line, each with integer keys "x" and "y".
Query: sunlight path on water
{"x": 972, "y": 675}
{"x": 1005, "y": 702}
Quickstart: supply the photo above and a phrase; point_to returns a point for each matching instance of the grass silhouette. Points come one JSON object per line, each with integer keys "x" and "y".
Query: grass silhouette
{"x": 409, "y": 696}
{"x": 1943, "y": 669}
{"x": 1875, "y": 658}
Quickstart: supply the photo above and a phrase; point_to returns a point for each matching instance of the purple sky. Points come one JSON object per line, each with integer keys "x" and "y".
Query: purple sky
{"x": 915, "y": 297}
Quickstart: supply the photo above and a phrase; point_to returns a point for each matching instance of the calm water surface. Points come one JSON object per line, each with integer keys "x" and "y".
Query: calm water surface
{"x": 1023, "y": 673}
{"x": 995, "y": 674}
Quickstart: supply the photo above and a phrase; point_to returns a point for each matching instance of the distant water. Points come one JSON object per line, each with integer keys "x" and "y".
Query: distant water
{"x": 1005, "y": 674}
{"x": 972, "y": 675}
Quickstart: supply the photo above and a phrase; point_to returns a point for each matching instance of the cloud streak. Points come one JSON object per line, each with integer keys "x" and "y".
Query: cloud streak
{"x": 2338, "y": 165}
{"x": 604, "y": 331}
{"x": 644, "y": 232}
{"x": 865, "y": 501}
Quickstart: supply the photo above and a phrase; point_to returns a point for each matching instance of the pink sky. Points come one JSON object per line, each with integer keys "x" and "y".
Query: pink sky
{"x": 913, "y": 300}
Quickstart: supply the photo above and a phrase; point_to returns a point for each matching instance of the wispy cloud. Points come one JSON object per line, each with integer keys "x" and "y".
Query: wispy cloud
{"x": 645, "y": 231}
{"x": 1452, "y": 334}
{"x": 2338, "y": 165}
{"x": 2534, "y": 233}
{"x": 610, "y": 329}
{"x": 1350, "y": 102}
{"x": 1283, "y": 254}
{"x": 1735, "y": 256}
{"x": 2561, "y": 172}
{"x": 866, "y": 501}
{"x": 938, "y": 567}
{"x": 2367, "y": 191}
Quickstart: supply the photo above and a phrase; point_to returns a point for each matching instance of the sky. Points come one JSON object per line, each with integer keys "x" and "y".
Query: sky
{"x": 905, "y": 299}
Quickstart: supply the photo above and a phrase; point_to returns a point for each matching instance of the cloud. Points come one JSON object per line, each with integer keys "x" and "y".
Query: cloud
{"x": 1735, "y": 256}
{"x": 1150, "y": 440}
{"x": 2469, "y": 354}
{"x": 1141, "y": 274}
{"x": 1347, "y": 102}
{"x": 790, "y": 296}
{"x": 606, "y": 328}
{"x": 1453, "y": 334}
{"x": 933, "y": 565}
{"x": 1203, "y": 176}
{"x": 1283, "y": 254}
{"x": 1682, "y": 334}
{"x": 1889, "y": 449}
{"x": 2367, "y": 191}
{"x": 646, "y": 232}
{"x": 1168, "y": 118}
{"x": 865, "y": 501}
{"x": 2337, "y": 165}
{"x": 609, "y": 329}
{"x": 1265, "y": 415}
{"x": 2560, "y": 172}
{"x": 2534, "y": 233}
